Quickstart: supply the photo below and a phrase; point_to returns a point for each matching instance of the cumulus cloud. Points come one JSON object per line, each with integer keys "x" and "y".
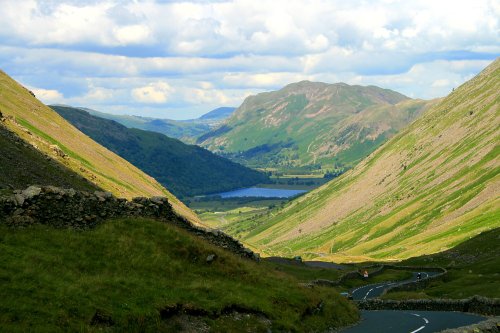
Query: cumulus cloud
{"x": 156, "y": 92}
{"x": 121, "y": 54}
{"x": 47, "y": 95}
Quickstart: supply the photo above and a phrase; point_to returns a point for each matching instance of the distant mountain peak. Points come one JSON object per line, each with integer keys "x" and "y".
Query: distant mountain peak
{"x": 218, "y": 114}
{"x": 307, "y": 123}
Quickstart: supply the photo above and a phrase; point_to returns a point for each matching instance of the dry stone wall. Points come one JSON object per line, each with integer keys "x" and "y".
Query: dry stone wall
{"x": 489, "y": 326}
{"x": 61, "y": 208}
{"x": 476, "y": 304}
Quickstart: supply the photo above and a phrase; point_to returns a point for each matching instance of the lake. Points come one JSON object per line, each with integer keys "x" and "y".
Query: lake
{"x": 261, "y": 193}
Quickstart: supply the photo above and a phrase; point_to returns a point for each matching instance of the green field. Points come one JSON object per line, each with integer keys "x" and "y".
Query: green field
{"x": 132, "y": 275}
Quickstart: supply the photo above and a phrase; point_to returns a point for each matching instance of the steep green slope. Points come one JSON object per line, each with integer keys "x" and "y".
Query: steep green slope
{"x": 185, "y": 130}
{"x": 45, "y": 130}
{"x": 22, "y": 165}
{"x": 186, "y": 170}
{"x": 473, "y": 269}
{"x": 146, "y": 276}
{"x": 431, "y": 187}
{"x": 310, "y": 123}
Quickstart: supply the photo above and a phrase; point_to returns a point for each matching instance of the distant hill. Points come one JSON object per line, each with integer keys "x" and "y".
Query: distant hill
{"x": 187, "y": 170}
{"x": 218, "y": 114}
{"x": 431, "y": 187}
{"x": 312, "y": 124}
{"x": 185, "y": 130}
{"x": 39, "y": 126}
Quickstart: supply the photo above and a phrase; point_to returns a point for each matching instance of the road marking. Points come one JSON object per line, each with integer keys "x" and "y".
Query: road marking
{"x": 418, "y": 329}
{"x": 380, "y": 286}
{"x": 421, "y": 327}
{"x": 369, "y": 291}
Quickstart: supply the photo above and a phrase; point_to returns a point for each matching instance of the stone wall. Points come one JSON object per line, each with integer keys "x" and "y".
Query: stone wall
{"x": 376, "y": 270}
{"x": 488, "y": 326}
{"x": 64, "y": 208}
{"x": 476, "y": 304}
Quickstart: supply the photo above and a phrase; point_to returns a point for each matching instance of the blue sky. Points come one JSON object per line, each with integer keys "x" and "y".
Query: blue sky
{"x": 180, "y": 59}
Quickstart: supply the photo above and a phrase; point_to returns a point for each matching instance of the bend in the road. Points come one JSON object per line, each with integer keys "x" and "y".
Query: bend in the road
{"x": 377, "y": 289}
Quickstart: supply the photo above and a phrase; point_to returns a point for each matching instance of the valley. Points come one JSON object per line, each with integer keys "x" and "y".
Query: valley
{"x": 432, "y": 186}
{"x": 249, "y": 166}
{"x": 186, "y": 170}
{"x": 424, "y": 201}
{"x": 184, "y": 130}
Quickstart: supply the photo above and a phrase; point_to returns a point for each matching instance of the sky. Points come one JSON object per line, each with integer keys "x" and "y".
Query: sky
{"x": 180, "y": 59}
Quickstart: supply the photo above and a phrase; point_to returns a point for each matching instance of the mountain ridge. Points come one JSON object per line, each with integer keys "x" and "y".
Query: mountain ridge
{"x": 430, "y": 187}
{"x": 184, "y": 130}
{"x": 308, "y": 123}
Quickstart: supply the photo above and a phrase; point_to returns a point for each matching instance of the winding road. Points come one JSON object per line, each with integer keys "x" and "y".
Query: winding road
{"x": 375, "y": 290}
{"x": 392, "y": 321}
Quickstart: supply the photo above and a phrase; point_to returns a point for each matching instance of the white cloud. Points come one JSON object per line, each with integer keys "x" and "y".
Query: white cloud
{"x": 121, "y": 54}
{"x": 440, "y": 83}
{"x": 47, "y": 95}
{"x": 132, "y": 34}
{"x": 156, "y": 92}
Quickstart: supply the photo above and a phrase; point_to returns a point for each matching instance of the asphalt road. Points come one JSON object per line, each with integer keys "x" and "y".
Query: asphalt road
{"x": 382, "y": 321}
{"x": 375, "y": 290}
{"x": 389, "y": 321}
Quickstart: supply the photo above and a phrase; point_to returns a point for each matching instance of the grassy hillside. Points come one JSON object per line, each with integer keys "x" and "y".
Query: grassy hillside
{"x": 146, "y": 276}
{"x": 473, "y": 269}
{"x": 44, "y": 129}
{"x": 185, "y": 130}
{"x": 22, "y": 165}
{"x": 186, "y": 170}
{"x": 311, "y": 124}
{"x": 431, "y": 187}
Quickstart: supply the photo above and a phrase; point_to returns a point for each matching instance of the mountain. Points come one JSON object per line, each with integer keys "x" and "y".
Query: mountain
{"x": 42, "y": 128}
{"x": 185, "y": 130}
{"x": 186, "y": 170}
{"x": 432, "y": 186}
{"x": 311, "y": 124}
{"x": 22, "y": 164}
{"x": 218, "y": 114}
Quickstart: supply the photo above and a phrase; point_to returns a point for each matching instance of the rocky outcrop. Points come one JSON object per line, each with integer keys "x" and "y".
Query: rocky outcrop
{"x": 63, "y": 208}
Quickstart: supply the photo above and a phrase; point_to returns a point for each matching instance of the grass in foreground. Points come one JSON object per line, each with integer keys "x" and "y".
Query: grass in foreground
{"x": 128, "y": 271}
